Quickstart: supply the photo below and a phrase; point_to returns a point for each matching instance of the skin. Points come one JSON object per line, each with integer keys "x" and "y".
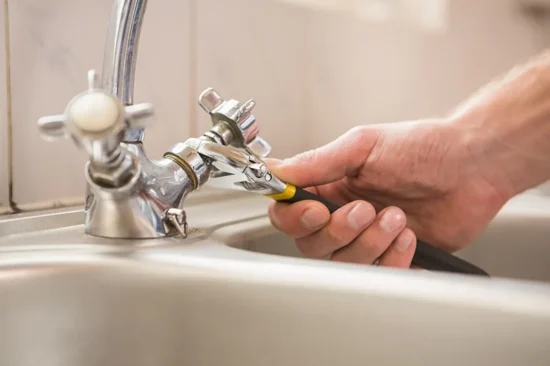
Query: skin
{"x": 441, "y": 180}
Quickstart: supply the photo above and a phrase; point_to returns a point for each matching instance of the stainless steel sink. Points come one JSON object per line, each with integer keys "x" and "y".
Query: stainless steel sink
{"x": 71, "y": 299}
{"x": 515, "y": 245}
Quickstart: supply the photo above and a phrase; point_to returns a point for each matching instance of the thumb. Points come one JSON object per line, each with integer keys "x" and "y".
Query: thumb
{"x": 342, "y": 157}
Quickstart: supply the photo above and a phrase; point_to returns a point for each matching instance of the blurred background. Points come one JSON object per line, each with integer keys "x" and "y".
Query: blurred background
{"x": 316, "y": 68}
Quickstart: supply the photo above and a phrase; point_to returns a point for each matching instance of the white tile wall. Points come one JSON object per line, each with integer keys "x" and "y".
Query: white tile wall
{"x": 3, "y": 116}
{"x": 368, "y": 73}
{"x": 309, "y": 71}
{"x": 53, "y": 44}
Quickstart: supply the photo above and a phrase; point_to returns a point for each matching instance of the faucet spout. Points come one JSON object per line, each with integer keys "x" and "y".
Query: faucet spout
{"x": 120, "y": 55}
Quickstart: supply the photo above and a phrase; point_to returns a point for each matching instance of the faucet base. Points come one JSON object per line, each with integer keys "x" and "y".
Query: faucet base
{"x": 131, "y": 218}
{"x": 143, "y": 208}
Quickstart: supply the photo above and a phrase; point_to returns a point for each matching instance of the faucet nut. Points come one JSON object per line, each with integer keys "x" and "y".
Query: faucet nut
{"x": 190, "y": 161}
{"x": 116, "y": 174}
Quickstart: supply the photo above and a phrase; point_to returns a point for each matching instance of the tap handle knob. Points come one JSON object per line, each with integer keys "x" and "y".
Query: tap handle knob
{"x": 240, "y": 119}
{"x": 95, "y": 119}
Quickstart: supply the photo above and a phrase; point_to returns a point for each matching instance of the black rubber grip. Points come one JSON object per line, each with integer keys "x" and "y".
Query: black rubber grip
{"x": 426, "y": 256}
{"x": 303, "y": 195}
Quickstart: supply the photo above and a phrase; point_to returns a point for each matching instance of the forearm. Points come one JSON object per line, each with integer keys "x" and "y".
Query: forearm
{"x": 508, "y": 126}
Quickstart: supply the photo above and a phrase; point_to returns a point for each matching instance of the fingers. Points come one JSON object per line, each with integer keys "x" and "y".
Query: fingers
{"x": 381, "y": 239}
{"x": 346, "y": 224}
{"x": 341, "y": 157}
{"x": 354, "y": 233}
{"x": 401, "y": 251}
{"x": 298, "y": 219}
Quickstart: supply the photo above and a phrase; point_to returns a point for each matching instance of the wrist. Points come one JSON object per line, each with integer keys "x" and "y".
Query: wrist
{"x": 508, "y": 143}
{"x": 506, "y": 126}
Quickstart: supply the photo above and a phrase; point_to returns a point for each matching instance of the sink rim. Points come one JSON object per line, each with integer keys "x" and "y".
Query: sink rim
{"x": 220, "y": 248}
{"x": 215, "y": 258}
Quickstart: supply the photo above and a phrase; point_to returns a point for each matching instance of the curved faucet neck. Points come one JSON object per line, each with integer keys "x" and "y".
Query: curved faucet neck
{"x": 120, "y": 55}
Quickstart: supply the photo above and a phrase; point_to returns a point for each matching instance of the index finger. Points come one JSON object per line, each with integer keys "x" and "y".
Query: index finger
{"x": 298, "y": 219}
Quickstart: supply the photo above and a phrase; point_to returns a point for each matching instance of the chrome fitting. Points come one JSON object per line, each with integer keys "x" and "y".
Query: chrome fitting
{"x": 191, "y": 162}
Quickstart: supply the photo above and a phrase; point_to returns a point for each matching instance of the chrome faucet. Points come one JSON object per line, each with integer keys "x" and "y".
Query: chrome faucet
{"x": 127, "y": 194}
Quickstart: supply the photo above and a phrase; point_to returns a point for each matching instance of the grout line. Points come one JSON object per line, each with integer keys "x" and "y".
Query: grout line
{"x": 193, "y": 41}
{"x": 65, "y": 202}
{"x": 306, "y": 133}
{"x": 9, "y": 114}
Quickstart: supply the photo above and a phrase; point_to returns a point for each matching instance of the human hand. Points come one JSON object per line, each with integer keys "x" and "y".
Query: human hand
{"x": 442, "y": 185}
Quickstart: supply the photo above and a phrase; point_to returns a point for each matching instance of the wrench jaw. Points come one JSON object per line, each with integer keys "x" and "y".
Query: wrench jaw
{"x": 257, "y": 188}
{"x": 250, "y": 171}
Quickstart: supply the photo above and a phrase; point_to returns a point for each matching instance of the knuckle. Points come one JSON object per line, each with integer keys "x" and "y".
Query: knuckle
{"x": 371, "y": 245}
{"x": 335, "y": 234}
{"x": 308, "y": 157}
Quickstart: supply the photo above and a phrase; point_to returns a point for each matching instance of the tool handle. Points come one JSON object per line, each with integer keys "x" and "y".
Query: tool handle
{"x": 303, "y": 195}
{"x": 426, "y": 256}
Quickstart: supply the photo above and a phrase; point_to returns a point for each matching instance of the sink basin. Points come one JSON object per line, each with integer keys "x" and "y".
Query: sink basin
{"x": 71, "y": 299}
{"x": 515, "y": 245}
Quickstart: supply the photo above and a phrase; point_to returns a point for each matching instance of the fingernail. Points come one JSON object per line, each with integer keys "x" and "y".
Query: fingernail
{"x": 361, "y": 215}
{"x": 404, "y": 241}
{"x": 314, "y": 218}
{"x": 392, "y": 220}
